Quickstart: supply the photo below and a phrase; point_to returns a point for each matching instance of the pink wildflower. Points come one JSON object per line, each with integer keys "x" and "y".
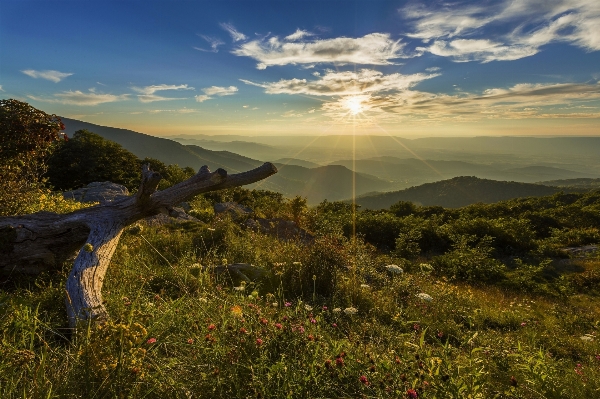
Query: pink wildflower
{"x": 151, "y": 341}
{"x": 259, "y": 341}
{"x": 278, "y": 326}
{"x": 412, "y": 394}
{"x": 288, "y": 304}
{"x": 364, "y": 380}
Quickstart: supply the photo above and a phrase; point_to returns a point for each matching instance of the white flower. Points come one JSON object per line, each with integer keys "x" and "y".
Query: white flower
{"x": 587, "y": 338}
{"x": 240, "y": 288}
{"x": 274, "y": 304}
{"x": 308, "y": 307}
{"x": 424, "y": 297}
{"x": 394, "y": 269}
{"x": 203, "y": 300}
{"x": 365, "y": 286}
{"x": 336, "y": 310}
{"x": 350, "y": 311}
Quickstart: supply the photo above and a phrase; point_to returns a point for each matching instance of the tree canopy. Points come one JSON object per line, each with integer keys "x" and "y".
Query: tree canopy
{"x": 87, "y": 158}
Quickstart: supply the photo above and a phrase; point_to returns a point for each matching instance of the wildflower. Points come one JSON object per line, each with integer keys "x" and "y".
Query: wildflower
{"x": 311, "y": 337}
{"x": 364, "y": 380}
{"x": 412, "y": 394}
{"x": 424, "y": 297}
{"x": 243, "y": 330}
{"x": 513, "y": 381}
{"x": 254, "y": 294}
{"x": 587, "y": 338}
{"x": 365, "y": 286}
{"x": 337, "y": 310}
{"x": 240, "y": 288}
{"x": 313, "y": 321}
{"x": 209, "y": 338}
{"x": 394, "y": 269}
{"x": 259, "y": 341}
{"x": 151, "y": 341}
{"x": 288, "y": 304}
{"x": 211, "y": 327}
{"x": 308, "y": 307}
{"x": 328, "y": 363}
{"x": 334, "y": 325}
{"x": 190, "y": 341}
{"x": 339, "y": 362}
{"x": 203, "y": 300}
{"x": 236, "y": 311}
{"x": 301, "y": 329}
{"x": 350, "y": 311}
{"x": 440, "y": 334}
{"x": 278, "y": 326}
{"x": 523, "y": 324}
{"x": 264, "y": 321}
{"x": 416, "y": 326}
{"x": 274, "y": 304}
{"x": 325, "y": 308}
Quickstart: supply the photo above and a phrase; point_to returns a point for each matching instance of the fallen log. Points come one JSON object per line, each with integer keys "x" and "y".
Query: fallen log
{"x": 44, "y": 240}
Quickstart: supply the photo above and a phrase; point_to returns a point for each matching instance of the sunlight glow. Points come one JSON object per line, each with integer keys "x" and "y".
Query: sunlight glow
{"x": 355, "y": 104}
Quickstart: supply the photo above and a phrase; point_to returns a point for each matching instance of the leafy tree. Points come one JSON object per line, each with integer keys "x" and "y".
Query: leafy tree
{"x": 27, "y": 138}
{"x": 87, "y": 158}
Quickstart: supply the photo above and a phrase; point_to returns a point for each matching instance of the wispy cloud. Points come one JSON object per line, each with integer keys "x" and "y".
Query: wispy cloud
{"x": 80, "y": 98}
{"x": 371, "y": 49}
{"x": 1, "y": 89}
{"x": 214, "y": 43}
{"x": 516, "y": 102}
{"x": 215, "y": 91}
{"x": 520, "y": 28}
{"x": 299, "y": 34}
{"x": 147, "y": 93}
{"x": 233, "y": 32}
{"x": 334, "y": 83}
{"x": 53, "y": 76}
{"x": 220, "y": 91}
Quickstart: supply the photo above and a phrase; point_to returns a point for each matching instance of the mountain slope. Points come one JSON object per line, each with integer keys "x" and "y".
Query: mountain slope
{"x": 457, "y": 192}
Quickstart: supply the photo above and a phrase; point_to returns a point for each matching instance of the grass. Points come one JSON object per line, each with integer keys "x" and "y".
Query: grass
{"x": 180, "y": 332}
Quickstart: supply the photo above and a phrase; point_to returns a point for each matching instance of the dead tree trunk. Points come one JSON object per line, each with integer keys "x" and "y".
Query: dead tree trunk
{"x": 42, "y": 241}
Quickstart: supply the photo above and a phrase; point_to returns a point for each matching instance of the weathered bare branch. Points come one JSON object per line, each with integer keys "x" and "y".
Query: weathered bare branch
{"x": 38, "y": 242}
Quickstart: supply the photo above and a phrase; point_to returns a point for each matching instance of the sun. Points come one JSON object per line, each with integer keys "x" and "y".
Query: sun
{"x": 354, "y": 104}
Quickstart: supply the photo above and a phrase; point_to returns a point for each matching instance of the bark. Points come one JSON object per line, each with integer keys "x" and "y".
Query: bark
{"x": 42, "y": 241}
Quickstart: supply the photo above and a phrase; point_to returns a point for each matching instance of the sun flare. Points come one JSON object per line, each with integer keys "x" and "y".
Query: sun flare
{"x": 355, "y": 104}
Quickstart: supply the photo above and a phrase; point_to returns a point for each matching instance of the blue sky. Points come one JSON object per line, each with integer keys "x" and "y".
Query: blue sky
{"x": 528, "y": 67}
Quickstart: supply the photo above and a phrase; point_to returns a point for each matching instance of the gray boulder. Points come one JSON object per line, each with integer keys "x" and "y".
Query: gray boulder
{"x": 232, "y": 208}
{"x": 101, "y": 192}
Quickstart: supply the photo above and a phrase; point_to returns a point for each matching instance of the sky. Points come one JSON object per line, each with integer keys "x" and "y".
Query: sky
{"x": 286, "y": 67}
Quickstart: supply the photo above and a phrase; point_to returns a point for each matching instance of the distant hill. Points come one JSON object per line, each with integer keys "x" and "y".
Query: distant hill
{"x": 418, "y": 171}
{"x": 585, "y": 184}
{"x": 295, "y": 161}
{"x": 168, "y": 151}
{"x": 332, "y": 182}
{"x": 457, "y": 192}
{"x": 245, "y": 148}
{"x": 324, "y": 182}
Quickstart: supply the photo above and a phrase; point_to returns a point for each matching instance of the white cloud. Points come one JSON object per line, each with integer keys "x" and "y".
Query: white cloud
{"x": 220, "y": 91}
{"x": 201, "y": 98}
{"x": 344, "y": 83}
{"x": 463, "y": 50}
{"x": 214, "y": 43}
{"x": 371, "y": 49}
{"x": 299, "y": 34}
{"x": 520, "y": 28}
{"x": 53, "y": 76}
{"x": 1, "y": 89}
{"x": 80, "y": 98}
{"x": 235, "y": 35}
{"x": 147, "y": 93}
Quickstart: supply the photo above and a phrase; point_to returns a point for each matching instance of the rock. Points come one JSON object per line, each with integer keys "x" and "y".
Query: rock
{"x": 101, "y": 192}
{"x": 233, "y": 208}
{"x": 175, "y": 215}
{"x": 581, "y": 252}
{"x": 185, "y": 206}
{"x": 280, "y": 228}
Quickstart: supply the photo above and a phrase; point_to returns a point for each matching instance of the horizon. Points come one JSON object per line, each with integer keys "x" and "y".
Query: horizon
{"x": 308, "y": 68}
